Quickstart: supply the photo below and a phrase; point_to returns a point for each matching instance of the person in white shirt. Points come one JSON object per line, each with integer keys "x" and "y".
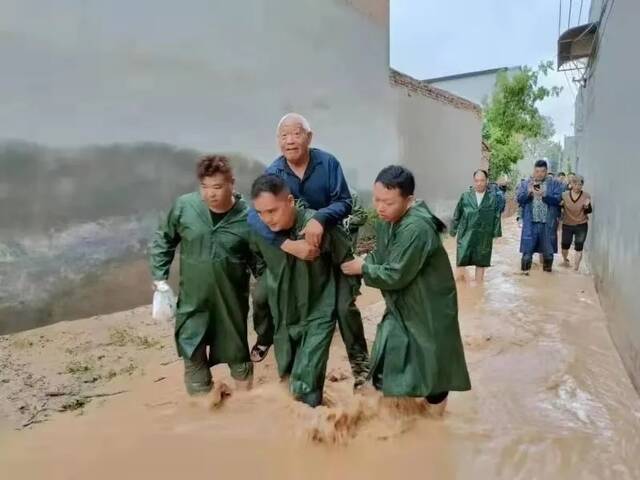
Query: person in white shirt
{"x": 476, "y": 222}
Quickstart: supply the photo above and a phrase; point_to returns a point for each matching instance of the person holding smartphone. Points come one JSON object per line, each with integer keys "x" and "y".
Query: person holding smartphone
{"x": 540, "y": 198}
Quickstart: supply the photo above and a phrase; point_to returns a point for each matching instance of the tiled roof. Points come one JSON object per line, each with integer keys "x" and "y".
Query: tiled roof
{"x": 416, "y": 86}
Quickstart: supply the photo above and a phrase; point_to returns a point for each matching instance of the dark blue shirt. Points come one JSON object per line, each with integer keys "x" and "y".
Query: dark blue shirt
{"x": 323, "y": 188}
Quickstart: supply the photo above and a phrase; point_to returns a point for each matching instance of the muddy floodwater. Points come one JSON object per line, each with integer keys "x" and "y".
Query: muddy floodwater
{"x": 550, "y": 400}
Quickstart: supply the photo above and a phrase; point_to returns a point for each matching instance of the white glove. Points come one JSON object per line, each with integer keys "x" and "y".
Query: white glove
{"x": 161, "y": 286}
{"x": 164, "y": 302}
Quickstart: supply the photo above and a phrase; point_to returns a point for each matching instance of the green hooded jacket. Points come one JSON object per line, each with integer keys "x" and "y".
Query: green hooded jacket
{"x": 215, "y": 262}
{"x": 417, "y": 350}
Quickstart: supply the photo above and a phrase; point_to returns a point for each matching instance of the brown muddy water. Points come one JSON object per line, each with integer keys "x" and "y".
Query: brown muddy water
{"x": 550, "y": 400}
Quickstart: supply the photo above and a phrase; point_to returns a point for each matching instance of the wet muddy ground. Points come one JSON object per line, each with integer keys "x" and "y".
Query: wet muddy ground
{"x": 550, "y": 400}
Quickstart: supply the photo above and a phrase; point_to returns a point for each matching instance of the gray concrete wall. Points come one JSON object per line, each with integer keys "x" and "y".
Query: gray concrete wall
{"x": 608, "y": 158}
{"x": 107, "y": 105}
{"x": 213, "y": 75}
{"x": 569, "y": 161}
{"x": 90, "y": 88}
{"x": 440, "y": 141}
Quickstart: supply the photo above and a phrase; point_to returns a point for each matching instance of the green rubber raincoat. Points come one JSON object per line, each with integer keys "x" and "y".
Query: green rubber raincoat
{"x": 476, "y": 227}
{"x": 215, "y": 263}
{"x": 417, "y": 350}
{"x": 302, "y": 299}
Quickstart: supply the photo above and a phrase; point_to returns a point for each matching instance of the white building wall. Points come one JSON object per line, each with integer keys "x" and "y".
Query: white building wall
{"x": 607, "y": 113}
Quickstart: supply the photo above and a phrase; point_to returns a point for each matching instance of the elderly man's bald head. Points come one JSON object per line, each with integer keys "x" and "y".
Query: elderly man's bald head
{"x": 294, "y": 138}
{"x": 293, "y": 118}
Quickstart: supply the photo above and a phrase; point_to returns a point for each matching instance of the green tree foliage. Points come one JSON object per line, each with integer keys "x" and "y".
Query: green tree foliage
{"x": 512, "y": 116}
{"x": 544, "y": 147}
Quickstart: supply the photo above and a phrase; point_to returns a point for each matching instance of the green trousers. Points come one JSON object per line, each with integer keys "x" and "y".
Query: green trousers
{"x": 348, "y": 316}
{"x": 262, "y": 318}
{"x": 303, "y": 358}
{"x": 197, "y": 372}
{"x": 351, "y": 328}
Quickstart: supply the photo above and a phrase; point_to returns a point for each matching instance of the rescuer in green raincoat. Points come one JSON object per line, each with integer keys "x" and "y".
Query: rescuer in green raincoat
{"x": 316, "y": 178}
{"x": 476, "y": 222}
{"x": 417, "y": 350}
{"x": 356, "y": 219}
{"x": 301, "y": 294}
{"x": 215, "y": 257}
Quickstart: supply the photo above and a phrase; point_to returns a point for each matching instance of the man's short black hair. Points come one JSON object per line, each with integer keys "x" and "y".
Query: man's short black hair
{"x": 396, "y": 177}
{"x": 562, "y": 174}
{"x": 268, "y": 184}
{"x": 210, "y": 165}
{"x": 483, "y": 171}
{"x": 541, "y": 164}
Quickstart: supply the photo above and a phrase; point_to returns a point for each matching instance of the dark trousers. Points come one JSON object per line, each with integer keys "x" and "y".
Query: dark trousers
{"x": 574, "y": 233}
{"x": 538, "y": 232}
{"x": 197, "y": 371}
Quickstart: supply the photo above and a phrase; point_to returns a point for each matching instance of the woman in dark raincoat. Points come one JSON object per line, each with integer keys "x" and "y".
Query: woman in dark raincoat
{"x": 476, "y": 222}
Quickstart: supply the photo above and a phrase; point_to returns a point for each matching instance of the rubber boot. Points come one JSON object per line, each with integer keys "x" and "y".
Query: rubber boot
{"x": 313, "y": 399}
{"x": 525, "y": 265}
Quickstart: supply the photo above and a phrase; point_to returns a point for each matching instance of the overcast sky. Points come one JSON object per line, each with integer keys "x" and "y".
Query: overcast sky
{"x": 431, "y": 38}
